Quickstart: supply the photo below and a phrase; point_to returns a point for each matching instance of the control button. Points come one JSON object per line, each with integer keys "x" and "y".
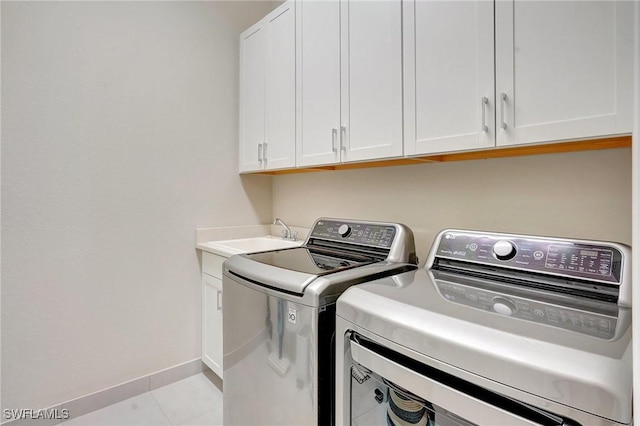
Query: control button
{"x": 344, "y": 230}
{"x": 538, "y": 312}
{"x": 504, "y": 250}
{"x": 473, "y": 247}
{"x": 503, "y": 306}
{"x": 537, "y": 255}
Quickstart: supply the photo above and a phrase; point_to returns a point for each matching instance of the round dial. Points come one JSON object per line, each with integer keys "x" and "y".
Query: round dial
{"x": 503, "y": 306}
{"x": 504, "y": 250}
{"x": 344, "y": 230}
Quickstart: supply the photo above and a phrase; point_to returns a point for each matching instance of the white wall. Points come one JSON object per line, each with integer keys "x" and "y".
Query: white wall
{"x": 119, "y": 138}
{"x": 583, "y": 194}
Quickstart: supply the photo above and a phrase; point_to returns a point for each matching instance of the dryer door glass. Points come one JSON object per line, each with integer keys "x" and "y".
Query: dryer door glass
{"x": 376, "y": 401}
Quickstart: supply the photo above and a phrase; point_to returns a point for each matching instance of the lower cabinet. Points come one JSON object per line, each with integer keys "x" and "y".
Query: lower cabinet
{"x": 212, "y": 311}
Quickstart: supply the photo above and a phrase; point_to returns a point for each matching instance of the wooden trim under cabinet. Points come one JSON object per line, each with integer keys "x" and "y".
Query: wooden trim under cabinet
{"x": 554, "y": 148}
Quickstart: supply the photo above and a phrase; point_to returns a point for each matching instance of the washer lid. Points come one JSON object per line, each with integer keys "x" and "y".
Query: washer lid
{"x": 311, "y": 260}
{"x": 292, "y": 270}
{"x": 437, "y": 318}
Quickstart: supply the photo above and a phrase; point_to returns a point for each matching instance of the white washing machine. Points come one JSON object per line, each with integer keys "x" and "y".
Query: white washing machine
{"x": 497, "y": 329}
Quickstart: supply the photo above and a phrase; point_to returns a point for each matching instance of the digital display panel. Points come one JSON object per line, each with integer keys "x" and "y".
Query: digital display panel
{"x": 598, "y": 262}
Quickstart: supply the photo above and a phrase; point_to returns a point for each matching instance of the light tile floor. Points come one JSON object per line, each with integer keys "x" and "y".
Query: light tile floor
{"x": 193, "y": 401}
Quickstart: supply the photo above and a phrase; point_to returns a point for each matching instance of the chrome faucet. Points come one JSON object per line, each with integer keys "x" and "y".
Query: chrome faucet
{"x": 287, "y": 233}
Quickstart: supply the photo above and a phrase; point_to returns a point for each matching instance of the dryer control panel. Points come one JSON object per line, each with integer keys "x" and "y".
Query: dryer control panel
{"x": 587, "y": 260}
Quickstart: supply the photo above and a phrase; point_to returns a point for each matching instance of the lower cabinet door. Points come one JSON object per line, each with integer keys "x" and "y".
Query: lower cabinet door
{"x": 212, "y": 323}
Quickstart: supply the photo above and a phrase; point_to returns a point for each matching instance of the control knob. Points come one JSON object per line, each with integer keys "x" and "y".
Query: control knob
{"x": 504, "y": 250}
{"x": 344, "y": 230}
{"x": 503, "y": 306}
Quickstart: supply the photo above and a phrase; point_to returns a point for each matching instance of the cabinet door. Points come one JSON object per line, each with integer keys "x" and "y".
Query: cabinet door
{"x": 212, "y": 323}
{"x": 449, "y": 76}
{"x": 318, "y": 82}
{"x": 371, "y": 79}
{"x": 252, "y": 97}
{"x": 563, "y": 70}
{"x": 280, "y": 141}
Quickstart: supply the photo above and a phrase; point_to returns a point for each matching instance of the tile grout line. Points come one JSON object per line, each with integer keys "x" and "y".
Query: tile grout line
{"x": 162, "y": 410}
{"x": 190, "y": 418}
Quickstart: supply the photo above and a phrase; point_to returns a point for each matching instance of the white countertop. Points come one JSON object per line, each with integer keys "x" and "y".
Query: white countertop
{"x": 228, "y": 241}
{"x": 228, "y": 248}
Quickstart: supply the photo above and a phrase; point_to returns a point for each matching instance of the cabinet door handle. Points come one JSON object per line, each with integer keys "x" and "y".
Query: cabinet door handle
{"x": 264, "y": 151}
{"x": 218, "y": 304}
{"x": 260, "y": 152}
{"x": 343, "y": 138}
{"x": 485, "y": 101}
{"x": 503, "y": 100}
{"x": 334, "y": 136}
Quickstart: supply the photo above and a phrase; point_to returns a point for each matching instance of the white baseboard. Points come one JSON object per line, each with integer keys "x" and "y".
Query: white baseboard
{"x": 103, "y": 398}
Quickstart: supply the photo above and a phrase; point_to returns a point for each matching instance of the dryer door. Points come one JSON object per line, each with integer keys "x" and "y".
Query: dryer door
{"x": 388, "y": 388}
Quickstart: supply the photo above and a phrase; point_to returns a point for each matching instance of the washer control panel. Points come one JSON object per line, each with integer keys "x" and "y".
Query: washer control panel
{"x": 368, "y": 234}
{"x": 571, "y": 258}
{"x": 590, "y": 323}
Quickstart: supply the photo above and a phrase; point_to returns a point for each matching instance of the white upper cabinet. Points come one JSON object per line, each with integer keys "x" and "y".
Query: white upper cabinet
{"x": 337, "y": 81}
{"x": 350, "y": 81}
{"x": 563, "y": 70}
{"x": 318, "y": 82}
{"x": 252, "y": 98}
{"x": 371, "y": 106}
{"x": 267, "y": 92}
{"x": 281, "y": 89}
{"x": 449, "y": 76}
